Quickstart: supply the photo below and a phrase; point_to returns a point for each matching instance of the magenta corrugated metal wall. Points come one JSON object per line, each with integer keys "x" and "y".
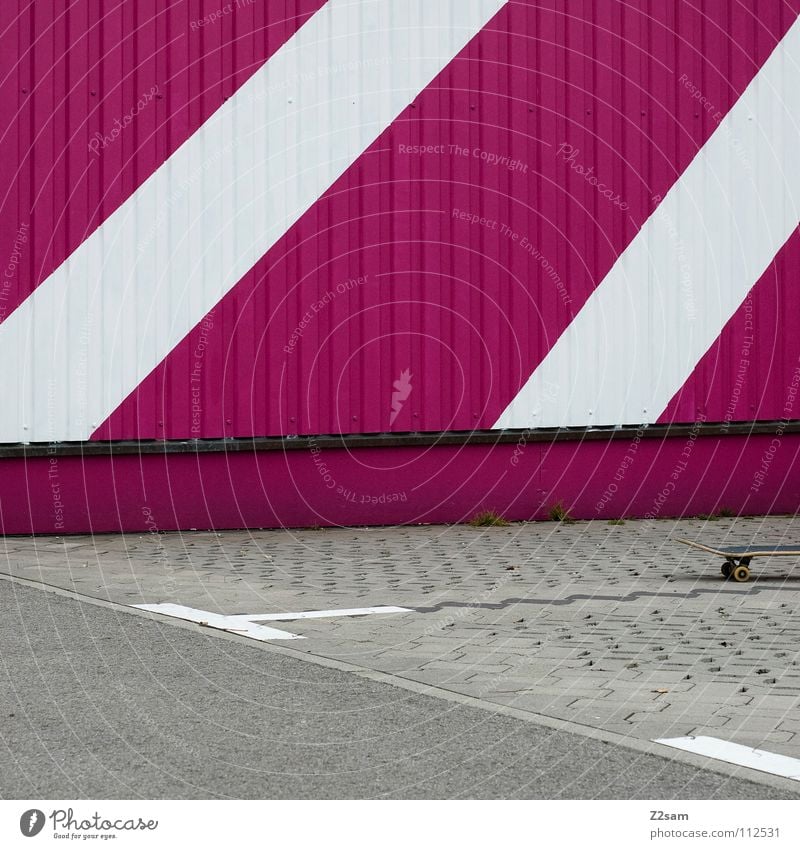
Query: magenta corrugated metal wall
{"x": 428, "y": 282}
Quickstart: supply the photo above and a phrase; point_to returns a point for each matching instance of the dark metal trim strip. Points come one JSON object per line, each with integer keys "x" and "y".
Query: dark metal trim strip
{"x": 396, "y": 440}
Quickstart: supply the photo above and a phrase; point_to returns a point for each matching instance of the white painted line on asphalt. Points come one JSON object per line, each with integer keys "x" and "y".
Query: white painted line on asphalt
{"x": 325, "y": 614}
{"x": 245, "y": 623}
{"x": 238, "y": 624}
{"x": 735, "y": 753}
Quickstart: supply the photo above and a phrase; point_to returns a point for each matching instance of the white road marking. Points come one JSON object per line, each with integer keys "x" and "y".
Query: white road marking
{"x": 238, "y": 624}
{"x": 324, "y": 614}
{"x": 665, "y": 301}
{"x": 89, "y": 334}
{"x": 246, "y": 623}
{"x": 735, "y": 753}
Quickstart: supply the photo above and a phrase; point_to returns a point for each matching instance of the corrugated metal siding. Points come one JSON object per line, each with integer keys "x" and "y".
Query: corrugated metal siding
{"x": 468, "y": 310}
{"x": 751, "y": 371}
{"x": 72, "y": 69}
{"x": 683, "y": 276}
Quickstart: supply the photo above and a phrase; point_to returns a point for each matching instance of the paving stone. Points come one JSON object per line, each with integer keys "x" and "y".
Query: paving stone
{"x": 776, "y": 702}
{"x": 555, "y": 706}
{"x": 754, "y": 724}
{"x": 461, "y": 667}
{"x": 779, "y": 737}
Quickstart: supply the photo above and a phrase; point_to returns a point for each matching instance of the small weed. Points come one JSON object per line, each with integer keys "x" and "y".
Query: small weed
{"x": 705, "y": 517}
{"x": 487, "y": 518}
{"x": 559, "y": 513}
{"x": 726, "y": 512}
{"x": 616, "y": 521}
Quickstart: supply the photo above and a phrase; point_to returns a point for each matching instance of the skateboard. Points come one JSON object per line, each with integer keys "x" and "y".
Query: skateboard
{"x": 737, "y": 557}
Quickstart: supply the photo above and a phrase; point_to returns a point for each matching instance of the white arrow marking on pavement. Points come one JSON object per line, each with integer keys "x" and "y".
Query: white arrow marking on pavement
{"x": 246, "y": 623}
{"x": 90, "y": 333}
{"x": 643, "y": 330}
{"x": 735, "y": 753}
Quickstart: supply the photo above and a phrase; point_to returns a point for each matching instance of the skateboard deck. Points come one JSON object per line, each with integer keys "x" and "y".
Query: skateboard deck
{"x": 738, "y": 557}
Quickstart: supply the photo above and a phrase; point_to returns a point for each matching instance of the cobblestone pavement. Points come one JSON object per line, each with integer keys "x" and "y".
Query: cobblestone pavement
{"x": 615, "y": 626}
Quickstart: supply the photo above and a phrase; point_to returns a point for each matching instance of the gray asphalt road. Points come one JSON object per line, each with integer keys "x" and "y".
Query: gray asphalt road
{"x": 99, "y": 703}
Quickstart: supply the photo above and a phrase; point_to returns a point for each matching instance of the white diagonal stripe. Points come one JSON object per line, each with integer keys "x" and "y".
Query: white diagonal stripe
{"x": 91, "y": 332}
{"x": 236, "y": 624}
{"x": 735, "y": 753}
{"x": 322, "y": 614}
{"x": 667, "y": 298}
{"x": 247, "y": 624}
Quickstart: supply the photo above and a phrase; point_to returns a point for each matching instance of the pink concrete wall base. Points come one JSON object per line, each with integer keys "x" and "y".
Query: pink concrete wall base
{"x": 636, "y": 477}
